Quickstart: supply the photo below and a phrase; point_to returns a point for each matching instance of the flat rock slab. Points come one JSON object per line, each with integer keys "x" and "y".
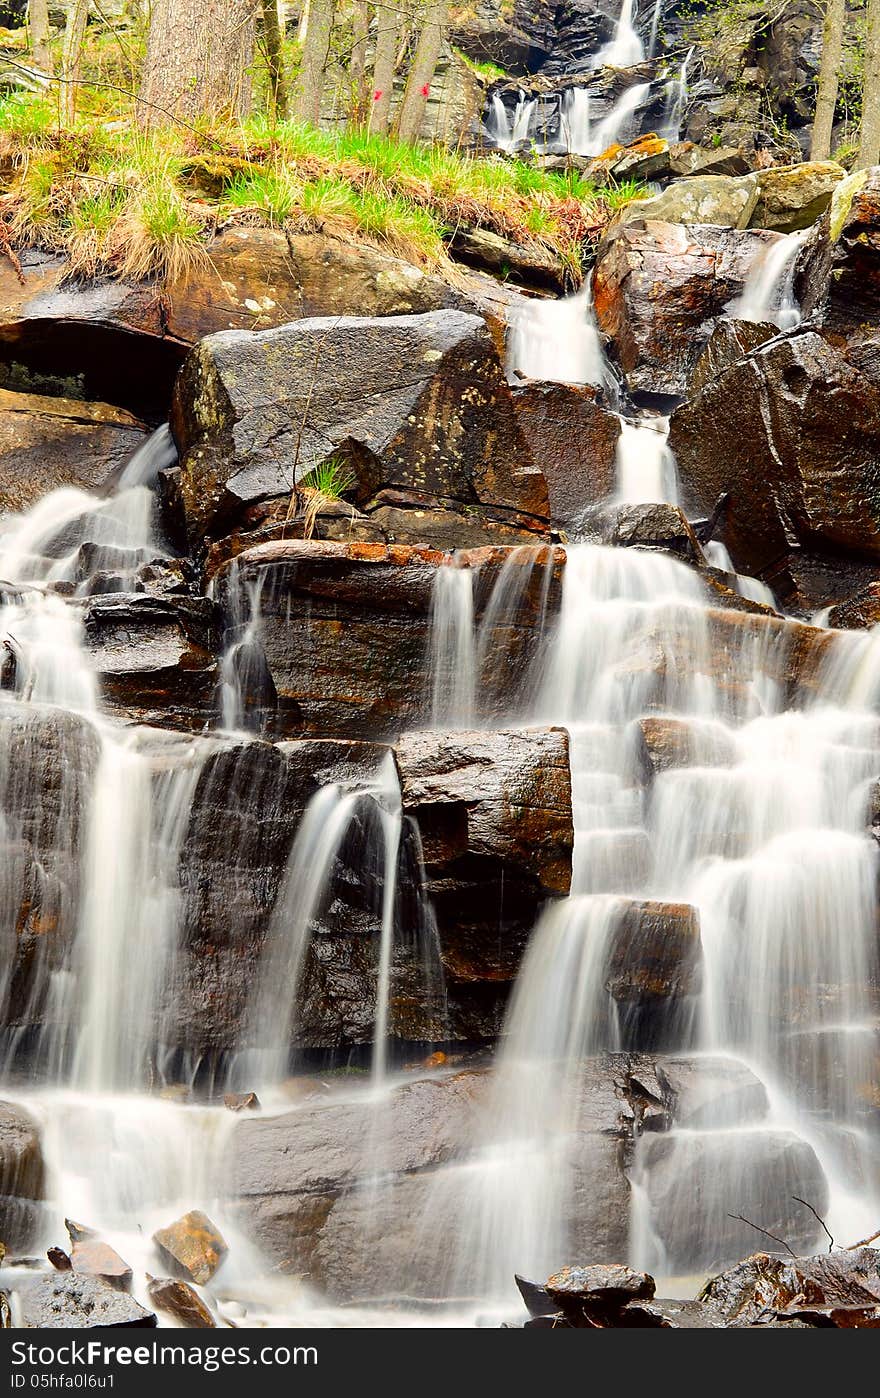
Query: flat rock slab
{"x": 66, "y": 1301}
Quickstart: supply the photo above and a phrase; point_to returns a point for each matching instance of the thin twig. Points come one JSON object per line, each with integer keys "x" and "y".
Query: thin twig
{"x": 864, "y": 1242}
{"x": 818, "y": 1219}
{"x": 767, "y": 1234}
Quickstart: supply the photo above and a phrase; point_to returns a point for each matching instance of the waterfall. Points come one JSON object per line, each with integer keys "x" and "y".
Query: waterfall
{"x": 753, "y": 589}
{"x": 575, "y": 131}
{"x": 507, "y": 132}
{"x": 245, "y": 682}
{"x": 453, "y": 668}
{"x": 614, "y": 128}
{"x": 557, "y": 342}
{"x": 655, "y": 27}
{"x": 645, "y": 464}
{"x": 676, "y": 96}
{"x": 770, "y": 853}
{"x": 625, "y": 48}
{"x": 769, "y": 294}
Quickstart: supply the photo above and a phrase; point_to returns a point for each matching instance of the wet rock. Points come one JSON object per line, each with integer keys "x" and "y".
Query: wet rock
{"x": 753, "y": 1174}
{"x": 860, "y": 610}
{"x": 730, "y": 341}
{"x": 296, "y": 1176}
{"x": 597, "y": 1294}
{"x": 645, "y": 526}
{"x": 346, "y": 627}
{"x": 21, "y": 1177}
{"x": 245, "y": 812}
{"x": 659, "y": 288}
{"x": 59, "y": 1259}
{"x": 414, "y": 404}
{"x": 791, "y": 197}
{"x": 537, "y": 1299}
{"x": 66, "y": 1301}
{"x": 182, "y": 1302}
{"x": 93, "y": 1258}
{"x": 660, "y": 744}
{"x": 156, "y": 656}
{"x": 653, "y": 968}
{"x": 47, "y": 443}
{"x": 574, "y": 439}
{"x": 708, "y": 1091}
{"x": 846, "y": 282}
{"x": 763, "y": 1284}
{"x": 241, "y": 1102}
{"x": 256, "y": 278}
{"x": 193, "y": 1244}
{"x": 791, "y": 433}
{"x": 78, "y": 1232}
{"x": 493, "y": 812}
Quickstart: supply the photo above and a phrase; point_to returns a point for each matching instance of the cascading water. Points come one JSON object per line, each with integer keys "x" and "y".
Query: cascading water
{"x": 558, "y": 342}
{"x": 645, "y": 464}
{"x": 616, "y": 126}
{"x": 508, "y": 131}
{"x": 769, "y": 293}
{"x": 717, "y": 556}
{"x": 676, "y": 96}
{"x": 625, "y": 47}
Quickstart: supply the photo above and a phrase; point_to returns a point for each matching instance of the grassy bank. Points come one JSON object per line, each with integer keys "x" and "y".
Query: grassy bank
{"x": 118, "y": 202}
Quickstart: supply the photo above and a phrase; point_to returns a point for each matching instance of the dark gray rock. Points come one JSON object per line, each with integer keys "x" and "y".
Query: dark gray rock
{"x": 65, "y": 1301}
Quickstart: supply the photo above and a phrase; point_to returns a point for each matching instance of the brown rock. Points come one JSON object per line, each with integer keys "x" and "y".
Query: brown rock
{"x": 21, "y": 1177}
{"x": 598, "y": 1293}
{"x": 762, "y": 1283}
{"x": 658, "y": 290}
{"x": 655, "y": 955}
{"x": 493, "y": 812}
{"x": 93, "y": 1258}
{"x": 59, "y": 1259}
{"x": 663, "y": 743}
{"x": 416, "y": 405}
{"x": 47, "y": 443}
{"x": 573, "y": 440}
{"x": 791, "y": 432}
{"x": 860, "y": 610}
{"x": 346, "y": 628}
{"x": 194, "y": 1245}
{"x": 179, "y": 1300}
{"x": 241, "y": 1102}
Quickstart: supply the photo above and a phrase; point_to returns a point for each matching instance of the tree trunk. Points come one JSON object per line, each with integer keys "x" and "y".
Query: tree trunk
{"x": 74, "y": 37}
{"x": 275, "y": 59}
{"x": 829, "y": 70}
{"x": 412, "y": 110}
{"x": 869, "y": 143}
{"x": 198, "y": 56}
{"x": 357, "y": 68}
{"x": 314, "y": 60}
{"x": 384, "y": 63}
{"x": 38, "y": 23}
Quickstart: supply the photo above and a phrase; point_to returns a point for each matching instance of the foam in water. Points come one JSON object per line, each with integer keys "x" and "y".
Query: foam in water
{"x": 507, "y": 131}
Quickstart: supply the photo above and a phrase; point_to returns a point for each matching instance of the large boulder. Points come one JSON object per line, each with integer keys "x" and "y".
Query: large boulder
{"x": 246, "y": 810}
{"x": 417, "y": 406}
{"x": 763, "y": 1284}
{"x": 791, "y": 197}
{"x": 752, "y": 1174}
{"x": 726, "y": 200}
{"x": 659, "y": 288}
{"x": 22, "y": 1177}
{"x": 574, "y": 441}
{"x": 47, "y": 443}
{"x": 792, "y": 433}
{"x": 346, "y": 628}
{"x": 494, "y": 816}
{"x": 368, "y": 1197}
